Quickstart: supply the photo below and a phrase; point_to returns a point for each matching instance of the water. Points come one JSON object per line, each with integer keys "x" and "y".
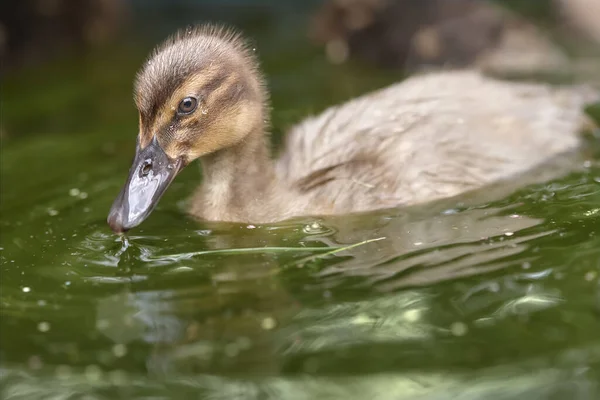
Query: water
{"x": 482, "y": 300}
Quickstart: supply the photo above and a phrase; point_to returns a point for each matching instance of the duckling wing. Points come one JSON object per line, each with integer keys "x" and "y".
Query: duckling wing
{"x": 431, "y": 136}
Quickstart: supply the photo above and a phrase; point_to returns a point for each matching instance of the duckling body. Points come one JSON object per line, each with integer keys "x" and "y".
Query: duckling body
{"x": 431, "y": 136}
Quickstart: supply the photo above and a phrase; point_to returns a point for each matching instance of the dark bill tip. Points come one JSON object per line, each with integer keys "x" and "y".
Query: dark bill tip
{"x": 150, "y": 175}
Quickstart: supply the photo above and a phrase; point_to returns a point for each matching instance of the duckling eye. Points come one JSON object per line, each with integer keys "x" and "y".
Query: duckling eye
{"x": 187, "y": 106}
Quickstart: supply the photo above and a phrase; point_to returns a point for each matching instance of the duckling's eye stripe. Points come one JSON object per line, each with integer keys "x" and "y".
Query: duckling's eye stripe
{"x": 215, "y": 82}
{"x": 234, "y": 92}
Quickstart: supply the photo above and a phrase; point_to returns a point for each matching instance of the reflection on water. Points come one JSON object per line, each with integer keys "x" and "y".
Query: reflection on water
{"x": 517, "y": 381}
{"x": 425, "y": 302}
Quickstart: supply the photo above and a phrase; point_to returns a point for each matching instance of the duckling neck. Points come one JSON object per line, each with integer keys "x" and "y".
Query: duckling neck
{"x": 238, "y": 182}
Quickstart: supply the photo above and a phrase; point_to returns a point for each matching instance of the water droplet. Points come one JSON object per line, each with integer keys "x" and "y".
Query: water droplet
{"x": 508, "y": 233}
{"x": 412, "y": 315}
{"x": 251, "y": 227}
{"x": 180, "y": 269}
{"x": 119, "y": 350}
{"x": 450, "y": 211}
{"x": 268, "y": 323}
{"x": 313, "y": 227}
{"x": 597, "y": 179}
{"x": 26, "y": 289}
{"x": 590, "y": 276}
{"x": 363, "y": 319}
{"x": 83, "y": 195}
{"x": 459, "y": 329}
{"x": 74, "y": 192}
{"x": 52, "y": 212}
{"x": 418, "y": 243}
{"x": 43, "y": 326}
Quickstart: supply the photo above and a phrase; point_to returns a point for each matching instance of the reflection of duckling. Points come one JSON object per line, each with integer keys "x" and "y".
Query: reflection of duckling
{"x": 201, "y": 95}
{"x": 416, "y": 34}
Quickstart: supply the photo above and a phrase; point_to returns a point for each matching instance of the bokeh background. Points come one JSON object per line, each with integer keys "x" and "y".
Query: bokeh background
{"x": 488, "y": 300}
{"x": 68, "y": 64}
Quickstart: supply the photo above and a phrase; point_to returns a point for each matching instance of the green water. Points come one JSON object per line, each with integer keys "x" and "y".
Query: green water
{"x": 497, "y": 300}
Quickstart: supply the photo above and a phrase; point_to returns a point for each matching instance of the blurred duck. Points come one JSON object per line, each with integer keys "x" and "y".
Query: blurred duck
{"x": 426, "y": 34}
{"x": 432, "y": 136}
{"x": 581, "y": 15}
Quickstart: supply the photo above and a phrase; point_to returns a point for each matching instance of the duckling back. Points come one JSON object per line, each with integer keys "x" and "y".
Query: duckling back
{"x": 431, "y": 136}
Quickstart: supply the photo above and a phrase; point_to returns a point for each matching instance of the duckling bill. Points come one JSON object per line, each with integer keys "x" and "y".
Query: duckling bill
{"x": 150, "y": 175}
{"x": 201, "y": 96}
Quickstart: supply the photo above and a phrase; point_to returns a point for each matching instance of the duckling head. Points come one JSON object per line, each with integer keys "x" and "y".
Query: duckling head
{"x": 200, "y": 92}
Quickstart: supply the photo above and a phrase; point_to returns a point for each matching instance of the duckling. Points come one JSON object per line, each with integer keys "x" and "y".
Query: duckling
{"x": 201, "y": 96}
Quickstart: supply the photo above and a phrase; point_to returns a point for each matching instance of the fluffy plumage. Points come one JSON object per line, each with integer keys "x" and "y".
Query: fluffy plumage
{"x": 431, "y": 136}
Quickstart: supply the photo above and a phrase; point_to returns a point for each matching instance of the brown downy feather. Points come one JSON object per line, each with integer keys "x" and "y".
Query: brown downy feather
{"x": 432, "y": 136}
